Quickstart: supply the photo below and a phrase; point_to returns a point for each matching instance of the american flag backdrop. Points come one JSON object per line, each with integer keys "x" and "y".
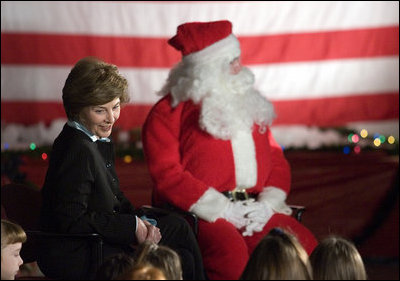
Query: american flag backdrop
{"x": 322, "y": 64}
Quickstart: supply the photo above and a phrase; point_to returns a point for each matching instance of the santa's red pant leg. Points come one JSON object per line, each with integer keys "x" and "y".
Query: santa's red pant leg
{"x": 226, "y": 252}
{"x": 305, "y": 237}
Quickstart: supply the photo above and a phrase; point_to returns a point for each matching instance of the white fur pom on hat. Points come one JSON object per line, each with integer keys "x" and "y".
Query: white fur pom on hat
{"x": 204, "y": 41}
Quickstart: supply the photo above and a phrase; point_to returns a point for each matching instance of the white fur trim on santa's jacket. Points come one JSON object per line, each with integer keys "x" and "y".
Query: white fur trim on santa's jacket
{"x": 276, "y": 198}
{"x": 229, "y": 48}
{"x": 210, "y": 206}
{"x": 245, "y": 159}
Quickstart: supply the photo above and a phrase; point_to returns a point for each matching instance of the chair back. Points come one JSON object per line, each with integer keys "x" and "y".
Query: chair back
{"x": 22, "y": 203}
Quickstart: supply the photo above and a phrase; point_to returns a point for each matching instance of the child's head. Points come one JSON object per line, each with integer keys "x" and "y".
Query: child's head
{"x": 114, "y": 266}
{"x": 336, "y": 258}
{"x": 12, "y": 237}
{"x": 161, "y": 257}
{"x": 143, "y": 271}
{"x": 278, "y": 256}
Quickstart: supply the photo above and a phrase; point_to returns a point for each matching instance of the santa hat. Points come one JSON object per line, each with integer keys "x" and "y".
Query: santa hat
{"x": 201, "y": 42}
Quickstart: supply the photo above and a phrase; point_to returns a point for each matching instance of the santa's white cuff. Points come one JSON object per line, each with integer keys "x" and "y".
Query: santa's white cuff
{"x": 275, "y": 197}
{"x": 210, "y": 206}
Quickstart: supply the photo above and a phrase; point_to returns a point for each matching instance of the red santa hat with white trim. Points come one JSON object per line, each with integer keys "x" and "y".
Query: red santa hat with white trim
{"x": 200, "y": 42}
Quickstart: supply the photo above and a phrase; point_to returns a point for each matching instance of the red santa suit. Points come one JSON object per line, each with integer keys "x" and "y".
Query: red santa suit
{"x": 191, "y": 167}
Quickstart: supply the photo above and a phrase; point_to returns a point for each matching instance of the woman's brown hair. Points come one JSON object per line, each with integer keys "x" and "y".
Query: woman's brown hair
{"x": 92, "y": 82}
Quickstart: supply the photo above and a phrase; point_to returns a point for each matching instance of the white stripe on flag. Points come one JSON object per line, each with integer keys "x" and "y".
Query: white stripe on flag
{"x": 276, "y": 81}
{"x": 148, "y": 19}
{"x": 333, "y": 78}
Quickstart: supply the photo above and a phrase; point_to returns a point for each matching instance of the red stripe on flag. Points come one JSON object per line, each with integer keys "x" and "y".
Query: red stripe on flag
{"x": 31, "y": 112}
{"x": 313, "y": 112}
{"x": 56, "y": 49}
{"x": 328, "y": 112}
{"x": 132, "y": 115}
{"x": 316, "y": 46}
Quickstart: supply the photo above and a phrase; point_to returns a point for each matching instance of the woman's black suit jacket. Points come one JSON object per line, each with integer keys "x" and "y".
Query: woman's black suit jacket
{"x": 81, "y": 195}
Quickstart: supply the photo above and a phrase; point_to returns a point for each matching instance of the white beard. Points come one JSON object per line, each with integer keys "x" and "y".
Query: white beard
{"x": 229, "y": 102}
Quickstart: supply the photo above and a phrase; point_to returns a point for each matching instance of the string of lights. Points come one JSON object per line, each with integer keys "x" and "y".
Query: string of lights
{"x": 129, "y": 148}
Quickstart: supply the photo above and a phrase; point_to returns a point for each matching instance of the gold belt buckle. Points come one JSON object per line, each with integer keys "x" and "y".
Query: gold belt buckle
{"x": 240, "y": 194}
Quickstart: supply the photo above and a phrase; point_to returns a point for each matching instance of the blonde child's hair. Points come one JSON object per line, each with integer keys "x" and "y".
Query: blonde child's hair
{"x": 336, "y": 258}
{"x": 11, "y": 233}
{"x": 161, "y": 257}
{"x": 278, "y": 256}
{"x": 143, "y": 271}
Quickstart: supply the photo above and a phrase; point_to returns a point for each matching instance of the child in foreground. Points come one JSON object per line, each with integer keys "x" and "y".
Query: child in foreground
{"x": 12, "y": 237}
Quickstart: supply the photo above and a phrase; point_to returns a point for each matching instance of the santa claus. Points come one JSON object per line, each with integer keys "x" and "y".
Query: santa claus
{"x": 210, "y": 150}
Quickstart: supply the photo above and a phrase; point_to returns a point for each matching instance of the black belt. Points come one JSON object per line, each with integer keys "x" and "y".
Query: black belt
{"x": 238, "y": 195}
